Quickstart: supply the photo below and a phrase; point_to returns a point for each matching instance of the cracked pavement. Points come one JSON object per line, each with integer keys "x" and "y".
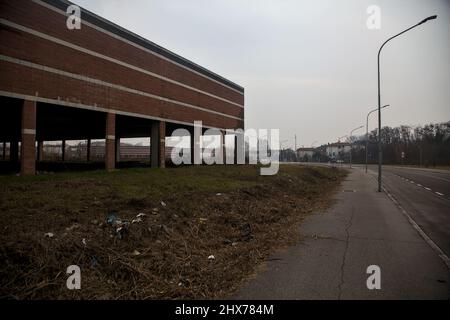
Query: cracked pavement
{"x": 360, "y": 229}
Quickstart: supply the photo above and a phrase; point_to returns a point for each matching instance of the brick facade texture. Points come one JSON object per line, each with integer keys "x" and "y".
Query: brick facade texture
{"x": 25, "y": 80}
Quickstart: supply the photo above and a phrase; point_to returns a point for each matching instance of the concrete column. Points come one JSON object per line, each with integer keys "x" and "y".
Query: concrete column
{"x": 63, "y": 150}
{"x": 117, "y": 149}
{"x": 223, "y": 134}
{"x": 88, "y": 150}
{"x": 40, "y": 150}
{"x": 110, "y": 143}
{"x": 28, "y": 146}
{"x": 158, "y": 144}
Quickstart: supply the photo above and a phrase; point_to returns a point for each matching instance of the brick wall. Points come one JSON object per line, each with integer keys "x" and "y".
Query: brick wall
{"x": 33, "y": 33}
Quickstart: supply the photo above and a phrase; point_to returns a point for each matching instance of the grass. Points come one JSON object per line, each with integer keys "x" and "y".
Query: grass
{"x": 230, "y": 212}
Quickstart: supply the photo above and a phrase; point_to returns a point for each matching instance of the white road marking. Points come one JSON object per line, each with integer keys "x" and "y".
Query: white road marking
{"x": 419, "y": 185}
{"x": 427, "y": 188}
{"x": 439, "y": 194}
{"x": 428, "y": 240}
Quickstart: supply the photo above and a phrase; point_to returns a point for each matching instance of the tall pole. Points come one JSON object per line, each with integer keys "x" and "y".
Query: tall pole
{"x": 367, "y": 136}
{"x": 380, "y": 155}
{"x": 367, "y": 132}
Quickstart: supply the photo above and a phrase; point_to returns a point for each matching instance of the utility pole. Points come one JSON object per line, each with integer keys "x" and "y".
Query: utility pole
{"x": 380, "y": 154}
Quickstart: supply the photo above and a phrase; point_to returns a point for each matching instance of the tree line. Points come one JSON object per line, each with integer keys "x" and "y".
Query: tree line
{"x": 427, "y": 145}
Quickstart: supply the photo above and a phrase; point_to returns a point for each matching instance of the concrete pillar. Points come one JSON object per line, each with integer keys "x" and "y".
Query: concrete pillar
{"x": 4, "y": 150}
{"x": 110, "y": 143}
{"x": 158, "y": 144}
{"x": 117, "y": 149}
{"x": 88, "y": 150}
{"x": 63, "y": 150}
{"x": 40, "y": 150}
{"x": 223, "y": 134}
{"x": 28, "y": 146}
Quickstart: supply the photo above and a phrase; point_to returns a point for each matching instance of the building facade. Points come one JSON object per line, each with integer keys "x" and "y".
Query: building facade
{"x": 98, "y": 82}
{"x": 338, "y": 150}
{"x": 305, "y": 154}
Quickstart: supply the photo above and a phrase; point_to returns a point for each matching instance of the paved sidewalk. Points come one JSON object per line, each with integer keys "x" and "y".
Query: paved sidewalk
{"x": 362, "y": 228}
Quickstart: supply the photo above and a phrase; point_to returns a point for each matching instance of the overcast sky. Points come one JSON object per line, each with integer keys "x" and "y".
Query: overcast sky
{"x": 308, "y": 67}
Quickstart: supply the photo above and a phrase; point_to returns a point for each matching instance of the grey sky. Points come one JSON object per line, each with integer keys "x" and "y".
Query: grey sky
{"x": 308, "y": 67}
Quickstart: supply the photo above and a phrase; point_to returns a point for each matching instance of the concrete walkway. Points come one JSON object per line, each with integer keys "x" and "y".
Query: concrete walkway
{"x": 362, "y": 228}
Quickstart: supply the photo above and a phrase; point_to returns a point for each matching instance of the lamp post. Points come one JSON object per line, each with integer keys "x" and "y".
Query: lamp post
{"x": 380, "y": 155}
{"x": 367, "y": 131}
{"x": 351, "y": 143}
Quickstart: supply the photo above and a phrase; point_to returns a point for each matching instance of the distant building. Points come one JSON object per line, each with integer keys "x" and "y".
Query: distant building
{"x": 337, "y": 150}
{"x": 305, "y": 154}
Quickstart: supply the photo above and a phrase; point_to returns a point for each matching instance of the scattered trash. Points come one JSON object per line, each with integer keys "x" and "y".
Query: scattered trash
{"x": 136, "y": 253}
{"x": 163, "y": 203}
{"x": 122, "y": 231}
{"x": 137, "y": 220}
{"x": 218, "y": 194}
{"x": 202, "y": 220}
{"x": 49, "y": 235}
{"x": 155, "y": 210}
{"x": 111, "y": 219}
{"x": 234, "y": 244}
{"x": 84, "y": 242}
{"x": 72, "y": 227}
{"x": 211, "y": 257}
{"x": 180, "y": 284}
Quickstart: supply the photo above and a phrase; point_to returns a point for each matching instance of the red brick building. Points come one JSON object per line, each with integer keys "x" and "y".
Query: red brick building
{"x": 98, "y": 82}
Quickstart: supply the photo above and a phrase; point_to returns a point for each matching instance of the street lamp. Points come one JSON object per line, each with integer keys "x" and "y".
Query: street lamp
{"x": 367, "y": 131}
{"x": 380, "y": 155}
{"x": 351, "y": 143}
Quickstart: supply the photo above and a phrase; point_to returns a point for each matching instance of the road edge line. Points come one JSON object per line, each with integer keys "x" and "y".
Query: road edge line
{"x": 427, "y": 239}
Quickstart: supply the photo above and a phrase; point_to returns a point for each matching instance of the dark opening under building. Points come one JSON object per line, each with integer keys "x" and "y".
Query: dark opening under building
{"x": 97, "y": 82}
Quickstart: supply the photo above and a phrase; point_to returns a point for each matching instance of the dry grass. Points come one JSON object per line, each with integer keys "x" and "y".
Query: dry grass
{"x": 250, "y": 218}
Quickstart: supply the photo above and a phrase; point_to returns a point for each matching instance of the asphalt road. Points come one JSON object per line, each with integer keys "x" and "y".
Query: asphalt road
{"x": 425, "y": 195}
{"x": 364, "y": 228}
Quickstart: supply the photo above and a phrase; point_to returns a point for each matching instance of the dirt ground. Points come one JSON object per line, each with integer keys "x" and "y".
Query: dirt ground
{"x": 201, "y": 233}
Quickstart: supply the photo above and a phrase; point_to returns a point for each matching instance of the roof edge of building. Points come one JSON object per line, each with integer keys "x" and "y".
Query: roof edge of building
{"x": 141, "y": 41}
